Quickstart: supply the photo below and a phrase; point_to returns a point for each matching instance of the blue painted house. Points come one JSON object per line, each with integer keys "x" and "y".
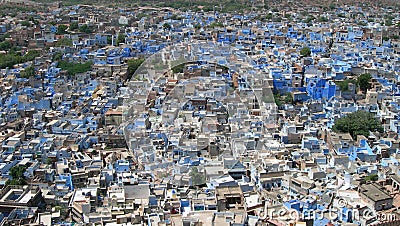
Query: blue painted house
{"x": 320, "y": 88}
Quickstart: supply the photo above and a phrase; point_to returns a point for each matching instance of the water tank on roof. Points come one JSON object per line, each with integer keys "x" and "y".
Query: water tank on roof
{"x": 347, "y": 179}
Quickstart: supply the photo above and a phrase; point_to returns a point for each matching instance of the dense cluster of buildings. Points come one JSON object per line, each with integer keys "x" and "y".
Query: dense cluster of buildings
{"x": 229, "y": 120}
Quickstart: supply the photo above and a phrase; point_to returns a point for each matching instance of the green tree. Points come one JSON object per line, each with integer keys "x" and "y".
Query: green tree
{"x": 95, "y": 152}
{"x": 323, "y": 19}
{"x": 139, "y": 16}
{"x": 62, "y": 29}
{"x": 5, "y": 45}
{"x": 372, "y": 177}
{"x": 362, "y": 23}
{"x": 30, "y": 55}
{"x": 28, "y": 72}
{"x": 167, "y": 26}
{"x": 216, "y": 24}
{"x": 25, "y": 23}
{"x": 309, "y": 19}
{"x": 32, "y": 19}
{"x": 75, "y": 68}
{"x": 277, "y": 19}
{"x": 85, "y": 29}
{"x": 305, "y": 52}
{"x": 358, "y": 123}
{"x": 121, "y": 38}
{"x": 3, "y": 37}
{"x": 178, "y": 68}
{"x": 57, "y": 56}
{"x": 17, "y": 174}
{"x": 288, "y": 98}
{"x": 344, "y": 85}
{"x": 197, "y": 177}
{"x": 63, "y": 211}
{"x": 64, "y": 42}
{"x": 364, "y": 81}
{"x": 133, "y": 65}
{"x": 304, "y": 13}
{"x": 277, "y": 99}
{"x": 13, "y": 57}
{"x": 73, "y": 26}
{"x": 281, "y": 100}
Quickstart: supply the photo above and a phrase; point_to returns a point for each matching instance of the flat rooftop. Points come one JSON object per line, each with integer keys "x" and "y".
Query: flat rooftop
{"x": 374, "y": 193}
